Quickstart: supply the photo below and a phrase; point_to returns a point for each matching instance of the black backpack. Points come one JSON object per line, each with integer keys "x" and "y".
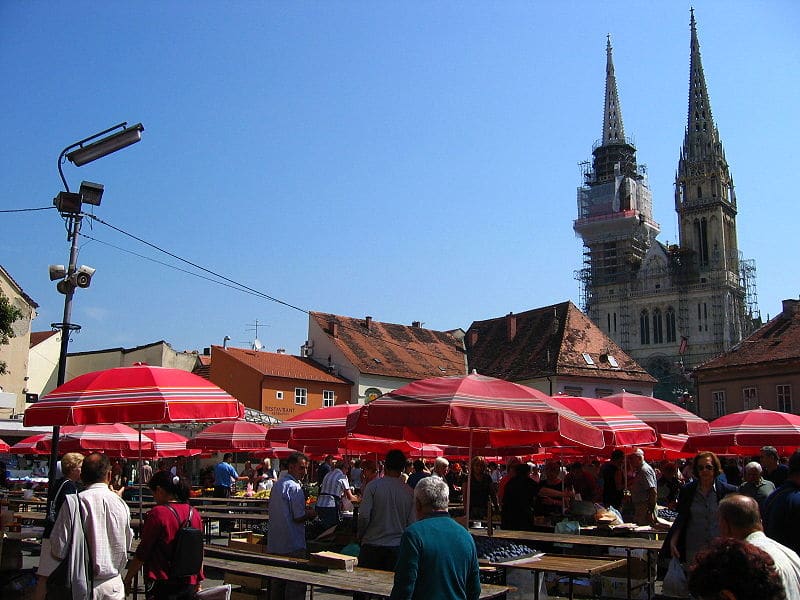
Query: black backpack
{"x": 188, "y": 557}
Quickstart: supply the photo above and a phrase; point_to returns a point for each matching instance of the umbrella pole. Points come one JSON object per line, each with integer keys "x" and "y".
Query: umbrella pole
{"x": 139, "y": 475}
{"x": 469, "y": 481}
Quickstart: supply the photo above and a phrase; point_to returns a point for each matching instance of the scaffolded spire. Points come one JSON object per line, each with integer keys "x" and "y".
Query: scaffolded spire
{"x": 613, "y": 130}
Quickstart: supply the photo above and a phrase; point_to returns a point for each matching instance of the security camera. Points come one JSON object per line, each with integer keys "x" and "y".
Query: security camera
{"x": 57, "y": 272}
{"x": 83, "y": 276}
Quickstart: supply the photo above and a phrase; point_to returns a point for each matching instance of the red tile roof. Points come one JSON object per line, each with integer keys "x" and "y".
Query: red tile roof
{"x": 775, "y": 341}
{"x": 37, "y": 337}
{"x": 282, "y": 365}
{"x": 547, "y": 341}
{"x": 392, "y": 350}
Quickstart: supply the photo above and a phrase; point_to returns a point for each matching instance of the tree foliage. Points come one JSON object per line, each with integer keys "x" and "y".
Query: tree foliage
{"x": 9, "y": 314}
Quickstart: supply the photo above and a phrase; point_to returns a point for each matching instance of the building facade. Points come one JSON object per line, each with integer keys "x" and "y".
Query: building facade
{"x": 670, "y": 307}
{"x": 554, "y": 349}
{"x": 381, "y": 357}
{"x": 764, "y": 370}
{"x": 14, "y": 382}
{"x": 278, "y": 384}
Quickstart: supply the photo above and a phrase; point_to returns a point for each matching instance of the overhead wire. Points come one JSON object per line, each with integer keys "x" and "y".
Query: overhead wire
{"x": 232, "y": 283}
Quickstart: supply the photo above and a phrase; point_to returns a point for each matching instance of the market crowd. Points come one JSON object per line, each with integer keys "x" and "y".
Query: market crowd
{"x": 733, "y": 525}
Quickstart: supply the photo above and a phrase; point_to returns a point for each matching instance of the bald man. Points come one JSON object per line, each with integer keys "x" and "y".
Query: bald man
{"x": 740, "y": 518}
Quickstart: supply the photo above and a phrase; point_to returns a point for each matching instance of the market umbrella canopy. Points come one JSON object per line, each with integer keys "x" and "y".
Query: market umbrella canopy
{"x": 166, "y": 444}
{"x": 747, "y": 431}
{"x": 663, "y": 416}
{"x": 319, "y": 423}
{"x": 474, "y": 411}
{"x": 619, "y": 427}
{"x": 137, "y": 394}
{"x": 231, "y": 436}
{"x": 4, "y": 447}
{"x": 34, "y": 444}
{"x": 116, "y": 440}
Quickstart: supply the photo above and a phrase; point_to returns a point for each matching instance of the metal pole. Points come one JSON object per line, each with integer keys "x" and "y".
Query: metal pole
{"x": 66, "y": 329}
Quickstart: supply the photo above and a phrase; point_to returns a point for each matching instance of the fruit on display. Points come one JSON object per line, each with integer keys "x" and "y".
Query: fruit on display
{"x": 497, "y": 550}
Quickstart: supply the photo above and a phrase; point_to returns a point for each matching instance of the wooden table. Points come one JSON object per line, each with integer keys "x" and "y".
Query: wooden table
{"x": 365, "y": 581}
{"x": 629, "y": 544}
{"x": 242, "y": 500}
{"x": 572, "y": 566}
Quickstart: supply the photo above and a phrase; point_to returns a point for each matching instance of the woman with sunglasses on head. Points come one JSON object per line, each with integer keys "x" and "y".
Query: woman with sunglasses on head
{"x": 697, "y": 523}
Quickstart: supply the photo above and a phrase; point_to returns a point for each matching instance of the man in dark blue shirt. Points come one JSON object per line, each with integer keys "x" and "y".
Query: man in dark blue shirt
{"x": 782, "y": 508}
{"x": 774, "y": 471}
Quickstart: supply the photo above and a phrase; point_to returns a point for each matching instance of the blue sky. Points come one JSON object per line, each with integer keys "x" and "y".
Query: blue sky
{"x": 407, "y": 161}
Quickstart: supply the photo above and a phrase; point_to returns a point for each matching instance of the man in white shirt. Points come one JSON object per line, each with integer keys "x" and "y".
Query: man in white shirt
{"x": 107, "y": 525}
{"x": 739, "y": 518}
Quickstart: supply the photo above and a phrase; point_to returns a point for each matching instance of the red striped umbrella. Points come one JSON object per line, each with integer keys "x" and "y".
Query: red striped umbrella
{"x": 4, "y": 447}
{"x": 115, "y": 440}
{"x": 231, "y": 436}
{"x": 35, "y": 444}
{"x": 661, "y": 415}
{"x": 619, "y": 427}
{"x": 746, "y": 431}
{"x": 166, "y": 444}
{"x": 137, "y": 394}
{"x": 474, "y": 411}
{"x": 318, "y": 423}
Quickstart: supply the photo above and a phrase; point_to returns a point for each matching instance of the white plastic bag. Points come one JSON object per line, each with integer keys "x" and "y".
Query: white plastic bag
{"x": 675, "y": 583}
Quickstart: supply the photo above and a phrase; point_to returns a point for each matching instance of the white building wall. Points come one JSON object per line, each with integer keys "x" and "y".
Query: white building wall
{"x": 43, "y": 365}
{"x": 15, "y": 353}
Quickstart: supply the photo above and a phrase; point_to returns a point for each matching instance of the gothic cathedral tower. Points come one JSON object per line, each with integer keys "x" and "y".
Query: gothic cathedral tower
{"x": 671, "y": 308}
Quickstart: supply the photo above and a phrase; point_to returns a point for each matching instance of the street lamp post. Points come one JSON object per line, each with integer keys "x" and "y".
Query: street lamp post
{"x": 69, "y": 205}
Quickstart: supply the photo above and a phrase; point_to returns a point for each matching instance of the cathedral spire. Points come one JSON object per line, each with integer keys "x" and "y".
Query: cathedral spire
{"x": 613, "y": 130}
{"x": 702, "y": 137}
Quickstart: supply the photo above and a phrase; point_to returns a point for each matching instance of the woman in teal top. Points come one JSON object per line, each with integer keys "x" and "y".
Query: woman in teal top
{"x": 438, "y": 559}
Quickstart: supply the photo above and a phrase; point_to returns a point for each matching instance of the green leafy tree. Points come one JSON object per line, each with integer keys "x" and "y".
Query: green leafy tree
{"x": 9, "y": 314}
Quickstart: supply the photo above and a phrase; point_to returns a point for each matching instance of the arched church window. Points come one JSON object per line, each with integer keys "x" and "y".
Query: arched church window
{"x": 644, "y": 328}
{"x": 658, "y": 327}
{"x": 671, "y": 331}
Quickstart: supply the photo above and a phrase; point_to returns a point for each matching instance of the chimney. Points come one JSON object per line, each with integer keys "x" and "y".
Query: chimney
{"x": 280, "y": 351}
{"x": 206, "y": 351}
{"x": 472, "y": 339}
{"x": 416, "y": 323}
{"x": 790, "y": 308}
{"x": 333, "y": 328}
{"x": 511, "y": 326}
{"x": 368, "y": 322}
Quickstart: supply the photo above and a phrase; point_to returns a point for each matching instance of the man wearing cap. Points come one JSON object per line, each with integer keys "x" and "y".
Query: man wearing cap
{"x": 782, "y": 508}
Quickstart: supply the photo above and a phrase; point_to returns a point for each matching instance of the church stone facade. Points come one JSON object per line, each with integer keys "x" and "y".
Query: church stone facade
{"x": 669, "y": 307}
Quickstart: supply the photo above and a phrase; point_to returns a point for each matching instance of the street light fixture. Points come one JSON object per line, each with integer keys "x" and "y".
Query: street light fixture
{"x": 69, "y": 204}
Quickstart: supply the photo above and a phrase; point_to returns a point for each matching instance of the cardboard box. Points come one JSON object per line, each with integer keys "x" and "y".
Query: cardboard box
{"x": 581, "y": 587}
{"x": 248, "y": 542}
{"x": 247, "y": 595}
{"x": 333, "y": 560}
{"x": 638, "y": 564}
{"x": 617, "y": 587}
{"x": 249, "y": 583}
